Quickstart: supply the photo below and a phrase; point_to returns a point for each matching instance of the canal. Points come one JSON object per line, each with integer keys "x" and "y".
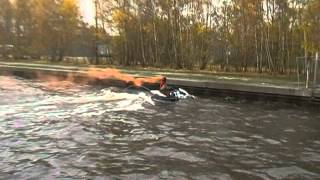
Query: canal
{"x": 52, "y": 129}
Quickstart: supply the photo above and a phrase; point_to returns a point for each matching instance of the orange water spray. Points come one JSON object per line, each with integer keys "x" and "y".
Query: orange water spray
{"x": 116, "y": 74}
{"x": 62, "y": 83}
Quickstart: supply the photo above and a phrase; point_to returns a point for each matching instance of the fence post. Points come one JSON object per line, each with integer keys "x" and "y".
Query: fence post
{"x": 308, "y": 72}
{"x": 298, "y": 72}
{"x": 315, "y": 70}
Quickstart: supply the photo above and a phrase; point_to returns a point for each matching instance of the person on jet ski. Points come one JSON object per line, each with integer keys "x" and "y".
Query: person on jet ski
{"x": 164, "y": 88}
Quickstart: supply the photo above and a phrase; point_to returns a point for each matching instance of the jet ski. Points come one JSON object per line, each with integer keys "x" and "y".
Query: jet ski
{"x": 174, "y": 95}
{"x": 170, "y": 95}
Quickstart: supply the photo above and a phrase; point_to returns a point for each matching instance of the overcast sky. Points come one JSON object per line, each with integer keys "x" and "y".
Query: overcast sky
{"x": 87, "y": 10}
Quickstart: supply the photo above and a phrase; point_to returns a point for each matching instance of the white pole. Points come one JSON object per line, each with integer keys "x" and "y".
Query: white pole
{"x": 315, "y": 70}
{"x": 298, "y": 74}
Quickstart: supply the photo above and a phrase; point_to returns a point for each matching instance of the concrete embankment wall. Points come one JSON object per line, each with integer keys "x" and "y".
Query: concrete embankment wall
{"x": 245, "y": 90}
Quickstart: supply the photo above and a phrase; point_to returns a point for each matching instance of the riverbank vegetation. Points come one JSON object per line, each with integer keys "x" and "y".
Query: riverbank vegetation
{"x": 234, "y": 35}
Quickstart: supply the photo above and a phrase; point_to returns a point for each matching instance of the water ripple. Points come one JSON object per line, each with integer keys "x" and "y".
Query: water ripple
{"x": 85, "y": 132}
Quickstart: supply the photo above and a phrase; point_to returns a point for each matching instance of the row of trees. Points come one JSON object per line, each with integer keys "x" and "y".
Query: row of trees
{"x": 51, "y": 28}
{"x": 232, "y": 35}
{"x": 241, "y": 35}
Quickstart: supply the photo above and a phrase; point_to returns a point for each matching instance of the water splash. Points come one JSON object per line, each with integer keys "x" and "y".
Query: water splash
{"x": 75, "y": 100}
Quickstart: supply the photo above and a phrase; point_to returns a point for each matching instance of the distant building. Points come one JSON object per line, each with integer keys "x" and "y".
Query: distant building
{"x": 6, "y": 50}
{"x": 103, "y": 50}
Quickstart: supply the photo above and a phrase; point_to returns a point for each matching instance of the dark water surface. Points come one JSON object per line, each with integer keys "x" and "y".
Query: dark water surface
{"x": 62, "y": 130}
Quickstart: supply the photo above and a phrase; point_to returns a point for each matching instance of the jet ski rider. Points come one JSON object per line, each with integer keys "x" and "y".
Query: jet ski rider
{"x": 164, "y": 89}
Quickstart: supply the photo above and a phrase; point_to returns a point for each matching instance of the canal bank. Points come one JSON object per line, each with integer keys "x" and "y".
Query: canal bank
{"x": 229, "y": 86}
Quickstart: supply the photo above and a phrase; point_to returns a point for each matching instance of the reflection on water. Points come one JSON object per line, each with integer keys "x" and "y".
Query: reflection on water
{"x": 89, "y": 132}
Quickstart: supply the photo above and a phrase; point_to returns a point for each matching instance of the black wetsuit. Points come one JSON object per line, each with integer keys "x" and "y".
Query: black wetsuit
{"x": 166, "y": 90}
